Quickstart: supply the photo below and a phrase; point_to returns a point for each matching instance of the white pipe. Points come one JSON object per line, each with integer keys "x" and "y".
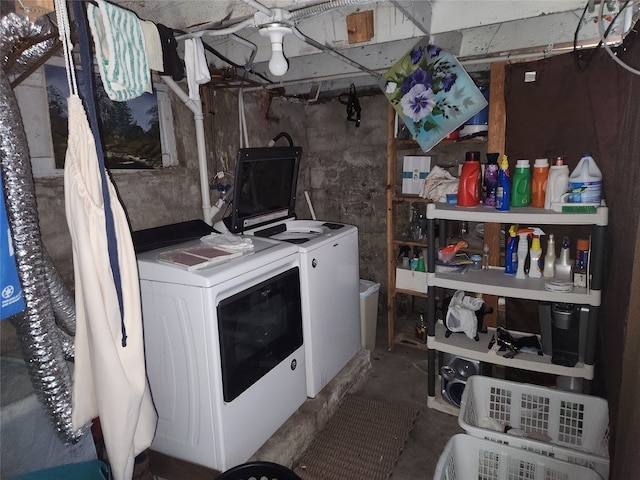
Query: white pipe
{"x": 259, "y": 6}
{"x": 198, "y": 118}
{"x": 223, "y": 31}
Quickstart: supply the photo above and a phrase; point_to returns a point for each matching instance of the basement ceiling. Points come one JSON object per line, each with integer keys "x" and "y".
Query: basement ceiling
{"x": 476, "y": 31}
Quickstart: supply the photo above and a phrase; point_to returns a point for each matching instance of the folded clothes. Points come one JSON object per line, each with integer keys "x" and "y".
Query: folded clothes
{"x": 228, "y": 241}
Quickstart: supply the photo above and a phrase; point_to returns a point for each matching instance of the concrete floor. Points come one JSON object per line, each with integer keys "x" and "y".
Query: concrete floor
{"x": 379, "y": 374}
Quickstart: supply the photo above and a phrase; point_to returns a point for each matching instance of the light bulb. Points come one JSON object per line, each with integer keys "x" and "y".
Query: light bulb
{"x": 278, "y": 64}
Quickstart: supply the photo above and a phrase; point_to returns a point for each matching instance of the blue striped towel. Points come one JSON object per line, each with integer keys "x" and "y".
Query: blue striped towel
{"x": 120, "y": 51}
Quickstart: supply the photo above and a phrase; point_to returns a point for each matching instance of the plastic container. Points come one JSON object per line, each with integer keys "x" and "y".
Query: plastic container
{"x": 521, "y": 188}
{"x": 587, "y": 175}
{"x": 503, "y": 192}
{"x": 490, "y": 181}
{"x": 539, "y": 182}
{"x": 557, "y": 183}
{"x": 535, "y": 258}
{"x": 569, "y": 426}
{"x": 470, "y": 181}
{"x": 549, "y": 269}
{"x": 563, "y": 267}
{"x": 522, "y": 251}
{"x": 511, "y": 255}
{"x": 581, "y": 266}
{"x": 369, "y": 292}
{"x": 466, "y": 457}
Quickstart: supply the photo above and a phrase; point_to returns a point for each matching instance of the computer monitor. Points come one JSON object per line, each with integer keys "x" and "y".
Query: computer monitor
{"x": 266, "y": 179}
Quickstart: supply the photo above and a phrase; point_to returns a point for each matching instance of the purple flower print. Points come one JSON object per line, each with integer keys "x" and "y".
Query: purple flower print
{"x": 418, "y": 77}
{"x": 418, "y": 102}
{"x": 448, "y": 81}
{"x": 433, "y": 51}
{"x": 416, "y": 55}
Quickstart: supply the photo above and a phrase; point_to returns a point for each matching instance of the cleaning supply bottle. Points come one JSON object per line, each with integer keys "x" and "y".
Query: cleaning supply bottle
{"x": 586, "y": 174}
{"x": 511, "y": 253}
{"x": 539, "y": 182}
{"x": 470, "y": 181}
{"x": 564, "y": 268}
{"x": 503, "y": 192}
{"x": 490, "y": 184}
{"x": 581, "y": 267}
{"x": 523, "y": 250}
{"x": 521, "y": 188}
{"x": 549, "y": 270}
{"x": 535, "y": 254}
{"x": 557, "y": 183}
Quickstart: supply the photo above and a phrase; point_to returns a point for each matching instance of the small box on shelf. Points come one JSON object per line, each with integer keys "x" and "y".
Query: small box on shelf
{"x": 411, "y": 280}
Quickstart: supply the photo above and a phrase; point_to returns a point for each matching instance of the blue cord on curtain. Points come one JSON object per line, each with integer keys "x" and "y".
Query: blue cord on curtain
{"x": 89, "y": 102}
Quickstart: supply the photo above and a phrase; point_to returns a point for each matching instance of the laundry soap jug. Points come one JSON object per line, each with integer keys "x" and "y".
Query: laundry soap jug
{"x": 539, "y": 182}
{"x": 521, "y": 188}
{"x": 470, "y": 181}
{"x": 587, "y": 177}
{"x": 557, "y": 183}
{"x": 490, "y": 182}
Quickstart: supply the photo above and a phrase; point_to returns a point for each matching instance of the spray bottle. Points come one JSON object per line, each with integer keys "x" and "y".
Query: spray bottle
{"x": 535, "y": 254}
{"x": 511, "y": 256}
{"x": 523, "y": 250}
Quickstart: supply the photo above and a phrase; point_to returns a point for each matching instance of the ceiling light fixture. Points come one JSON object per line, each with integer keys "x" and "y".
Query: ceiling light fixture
{"x": 278, "y": 65}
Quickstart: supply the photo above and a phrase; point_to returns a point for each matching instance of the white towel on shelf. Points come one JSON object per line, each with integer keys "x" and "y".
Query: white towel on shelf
{"x": 120, "y": 51}
{"x": 228, "y": 241}
{"x": 196, "y": 66}
{"x": 152, "y": 45}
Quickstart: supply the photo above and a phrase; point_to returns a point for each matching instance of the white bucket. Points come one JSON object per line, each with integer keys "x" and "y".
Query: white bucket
{"x": 586, "y": 175}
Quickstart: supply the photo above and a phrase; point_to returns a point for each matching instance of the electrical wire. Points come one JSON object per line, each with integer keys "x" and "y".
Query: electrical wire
{"x": 607, "y": 48}
{"x": 576, "y": 52}
{"x": 278, "y": 137}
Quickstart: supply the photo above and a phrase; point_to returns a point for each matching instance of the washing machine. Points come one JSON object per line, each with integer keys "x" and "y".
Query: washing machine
{"x": 330, "y": 288}
{"x": 224, "y": 348}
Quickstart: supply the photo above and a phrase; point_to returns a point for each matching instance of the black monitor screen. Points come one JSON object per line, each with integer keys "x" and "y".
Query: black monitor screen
{"x": 265, "y": 187}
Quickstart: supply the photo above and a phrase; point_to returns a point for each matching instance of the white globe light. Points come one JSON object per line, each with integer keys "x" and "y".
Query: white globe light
{"x": 278, "y": 64}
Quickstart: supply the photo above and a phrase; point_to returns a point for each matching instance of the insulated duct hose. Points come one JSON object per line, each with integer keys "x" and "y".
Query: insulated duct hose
{"x": 46, "y": 343}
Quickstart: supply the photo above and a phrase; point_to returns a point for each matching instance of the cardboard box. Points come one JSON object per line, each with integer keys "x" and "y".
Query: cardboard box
{"x": 411, "y": 280}
{"x": 414, "y": 170}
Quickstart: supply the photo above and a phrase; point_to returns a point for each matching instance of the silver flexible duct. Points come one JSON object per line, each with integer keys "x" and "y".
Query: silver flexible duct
{"x": 45, "y": 346}
{"x": 315, "y": 10}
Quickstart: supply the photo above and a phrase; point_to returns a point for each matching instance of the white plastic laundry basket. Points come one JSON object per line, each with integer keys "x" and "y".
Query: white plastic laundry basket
{"x": 567, "y": 426}
{"x": 466, "y": 457}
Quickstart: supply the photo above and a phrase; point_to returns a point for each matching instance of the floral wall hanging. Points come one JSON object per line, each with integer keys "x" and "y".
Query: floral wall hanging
{"x": 432, "y": 93}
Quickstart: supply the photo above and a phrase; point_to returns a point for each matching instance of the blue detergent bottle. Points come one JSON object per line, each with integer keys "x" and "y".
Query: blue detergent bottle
{"x": 511, "y": 253}
{"x": 503, "y": 192}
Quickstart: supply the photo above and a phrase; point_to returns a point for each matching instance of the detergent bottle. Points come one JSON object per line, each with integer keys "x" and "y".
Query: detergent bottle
{"x": 503, "y": 192}
{"x": 490, "y": 183}
{"x": 539, "y": 182}
{"x": 587, "y": 175}
{"x": 557, "y": 183}
{"x": 535, "y": 254}
{"x": 511, "y": 255}
{"x": 523, "y": 250}
{"x": 470, "y": 181}
{"x": 521, "y": 188}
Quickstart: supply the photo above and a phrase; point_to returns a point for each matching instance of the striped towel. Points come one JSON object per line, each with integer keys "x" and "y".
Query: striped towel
{"x": 120, "y": 51}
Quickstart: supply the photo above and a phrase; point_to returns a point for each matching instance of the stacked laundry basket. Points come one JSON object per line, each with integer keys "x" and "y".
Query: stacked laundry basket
{"x": 519, "y": 431}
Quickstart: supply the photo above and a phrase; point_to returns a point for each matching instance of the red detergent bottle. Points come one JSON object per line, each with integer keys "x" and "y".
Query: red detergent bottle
{"x": 470, "y": 181}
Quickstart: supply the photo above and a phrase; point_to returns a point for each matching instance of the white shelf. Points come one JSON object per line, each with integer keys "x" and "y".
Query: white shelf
{"x": 460, "y": 344}
{"x": 496, "y": 282}
{"x": 519, "y": 215}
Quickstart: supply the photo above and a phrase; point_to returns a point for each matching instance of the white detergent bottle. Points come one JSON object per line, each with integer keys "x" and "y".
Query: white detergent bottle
{"x": 557, "y": 183}
{"x": 586, "y": 175}
{"x": 523, "y": 249}
{"x": 535, "y": 255}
